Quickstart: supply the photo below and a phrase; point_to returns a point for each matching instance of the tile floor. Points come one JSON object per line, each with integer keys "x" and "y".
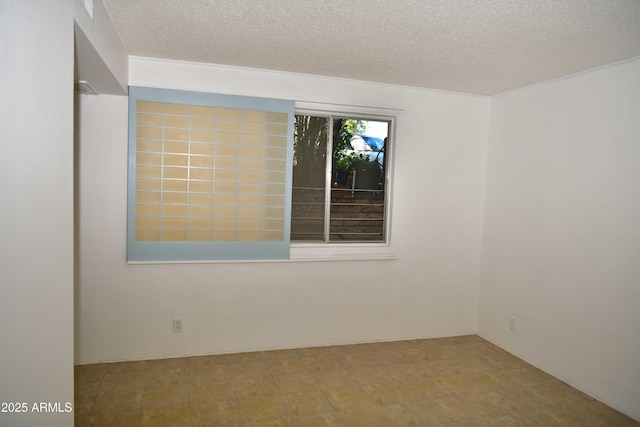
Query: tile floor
{"x": 461, "y": 381}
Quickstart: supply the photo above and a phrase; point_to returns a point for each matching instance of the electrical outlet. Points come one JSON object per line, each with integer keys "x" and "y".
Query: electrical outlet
{"x": 512, "y": 323}
{"x": 177, "y": 325}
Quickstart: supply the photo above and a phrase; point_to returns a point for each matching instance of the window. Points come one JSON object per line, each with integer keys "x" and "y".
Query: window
{"x": 221, "y": 177}
{"x": 209, "y": 176}
{"x": 340, "y": 179}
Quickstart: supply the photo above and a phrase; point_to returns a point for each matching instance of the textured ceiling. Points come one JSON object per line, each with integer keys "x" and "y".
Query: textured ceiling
{"x": 473, "y": 46}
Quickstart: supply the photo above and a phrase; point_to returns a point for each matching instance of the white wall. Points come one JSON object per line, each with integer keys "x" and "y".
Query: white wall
{"x": 100, "y": 57}
{"x": 561, "y": 248}
{"x": 36, "y": 214}
{"x": 125, "y": 311}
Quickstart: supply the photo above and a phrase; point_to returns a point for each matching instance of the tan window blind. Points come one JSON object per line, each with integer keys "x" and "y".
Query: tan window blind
{"x": 206, "y": 173}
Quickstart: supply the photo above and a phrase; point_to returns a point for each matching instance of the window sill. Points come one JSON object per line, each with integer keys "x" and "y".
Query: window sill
{"x": 341, "y": 252}
{"x": 306, "y": 252}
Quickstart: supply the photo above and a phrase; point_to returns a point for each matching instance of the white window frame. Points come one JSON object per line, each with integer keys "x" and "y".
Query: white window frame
{"x": 315, "y": 251}
{"x": 342, "y": 251}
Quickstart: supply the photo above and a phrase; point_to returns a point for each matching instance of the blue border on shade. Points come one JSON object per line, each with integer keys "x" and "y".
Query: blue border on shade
{"x": 206, "y": 251}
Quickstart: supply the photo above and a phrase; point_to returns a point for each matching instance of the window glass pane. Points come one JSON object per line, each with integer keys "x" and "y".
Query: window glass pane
{"x": 358, "y": 192}
{"x": 357, "y": 196}
{"x": 309, "y": 176}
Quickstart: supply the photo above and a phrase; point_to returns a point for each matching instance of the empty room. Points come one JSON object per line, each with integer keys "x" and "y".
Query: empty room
{"x": 320, "y": 213}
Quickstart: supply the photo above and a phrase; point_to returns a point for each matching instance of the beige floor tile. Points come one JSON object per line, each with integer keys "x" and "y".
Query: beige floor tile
{"x": 220, "y": 412}
{"x": 409, "y": 343}
{"x": 123, "y": 380}
{"x": 336, "y": 379}
{"x": 477, "y": 349}
{"x": 255, "y": 356}
{"x": 86, "y": 392}
{"x": 357, "y": 360}
{"x": 292, "y": 383}
{"x": 409, "y": 415}
{"x": 349, "y": 399}
{"x": 79, "y": 421}
{"x": 442, "y": 352}
{"x": 115, "y": 400}
{"x": 205, "y": 392}
{"x": 471, "y": 365}
{"x": 485, "y": 382}
{"x": 165, "y": 416}
{"x": 410, "y": 372}
{"x": 547, "y": 418}
{"x": 317, "y": 352}
{"x": 166, "y": 364}
{"x": 81, "y": 412}
{"x": 202, "y": 361}
{"x": 122, "y": 367}
{"x": 339, "y": 350}
{"x": 306, "y": 403}
{"x": 280, "y": 354}
{"x": 491, "y": 404}
{"x": 318, "y": 420}
{"x": 536, "y": 377}
{"x": 523, "y": 402}
{"x": 255, "y": 387}
{"x": 504, "y": 360}
{"x": 211, "y": 373}
{"x": 166, "y": 395}
{"x": 559, "y": 395}
{"x": 417, "y": 393}
{"x": 464, "y": 339}
{"x": 212, "y": 423}
{"x": 169, "y": 376}
{"x": 382, "y": 346}
{"x": 247, "y": 370}
{"x": 443, "y": 410}
{"x": 373, "y": 376}
{"x": 456, "y": 385}
{"x": 321, "y": 364}
{"x": 287, "y": 366}
{"x": 90, "y": 373}
{"x": 383, "y": 395}
{"x": 370, "y": 417}
{"x": 500, "y": 421}
{"x": 111, "y": 418}
{"x": 400, "y": 356}
{"x": 273, "y": 422}
{"x": 588, "y": 414}
{"x": 383, "y": 357}
{"x": 437, "y": 368}
{"x": 262, "y": 409}
{"x": 444, "y": 382}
